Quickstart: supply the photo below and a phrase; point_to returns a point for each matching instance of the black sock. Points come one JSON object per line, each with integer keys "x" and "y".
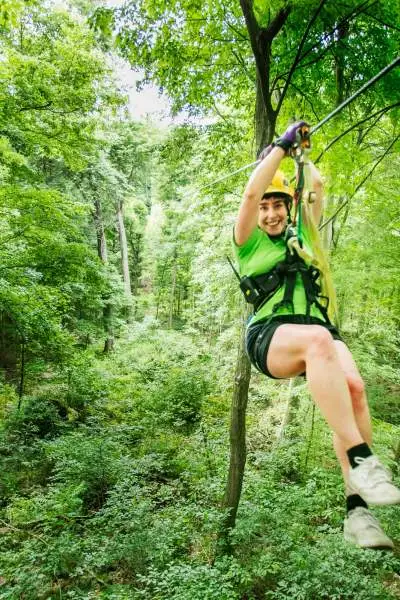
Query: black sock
{"x": 353, "y": 501}
{"x": 359, "y": 451}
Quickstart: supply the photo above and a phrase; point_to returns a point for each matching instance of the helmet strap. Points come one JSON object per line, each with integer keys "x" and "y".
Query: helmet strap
{"x": 288, "y": 210}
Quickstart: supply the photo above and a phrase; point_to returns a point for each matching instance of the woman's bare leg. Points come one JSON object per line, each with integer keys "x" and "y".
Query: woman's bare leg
{"x": 298, "y": 348}
{"x": 360, "y": 406}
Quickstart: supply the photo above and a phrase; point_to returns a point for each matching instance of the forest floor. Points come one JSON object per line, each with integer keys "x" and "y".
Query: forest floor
{"x": 113, "y": 474}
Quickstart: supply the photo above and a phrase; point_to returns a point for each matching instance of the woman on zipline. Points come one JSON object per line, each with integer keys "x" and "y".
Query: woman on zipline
{"x": 291, "y": 331}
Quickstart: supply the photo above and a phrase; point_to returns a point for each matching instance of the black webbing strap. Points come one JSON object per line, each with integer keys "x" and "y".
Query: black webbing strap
{"x": 285, "y": 274}
{"x": 312, "y": 291}
{"x": 323, "y": 309}
{"x": 309, "y": 291}
{"x": 288, "y": 273}
{"x": 290, "y": 282}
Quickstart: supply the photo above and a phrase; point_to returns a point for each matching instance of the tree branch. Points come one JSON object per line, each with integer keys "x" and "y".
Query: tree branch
{"x": 242, "y": 63}
{"x": 37, "y": 106}
{"x": 338, "y": 137}
{"x": 222, "y": 116}
{"x": 14, "y": 236}
{"x": 243, "y": 37}
{"x": 343, "y": 21}
{"x": 261, "y": 40}
{"x": 361, "y": 183}
{"x": 303, "y": 66}
{"x": 330, "y": 34}
{"x": 297, "y": 58}
{"x": 388, "y": 25}
{"x": 306, "y": 98}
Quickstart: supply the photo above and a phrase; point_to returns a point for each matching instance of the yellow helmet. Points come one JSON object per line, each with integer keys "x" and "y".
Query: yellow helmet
{"x": 279, "y": 186}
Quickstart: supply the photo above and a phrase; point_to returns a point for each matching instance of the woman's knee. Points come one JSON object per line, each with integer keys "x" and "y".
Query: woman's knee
{"x": 319, "y": 342}
{"x": 357, "y": 391}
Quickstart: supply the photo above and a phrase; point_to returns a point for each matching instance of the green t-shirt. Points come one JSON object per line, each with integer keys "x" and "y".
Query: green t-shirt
{"x": 258, "y": 255}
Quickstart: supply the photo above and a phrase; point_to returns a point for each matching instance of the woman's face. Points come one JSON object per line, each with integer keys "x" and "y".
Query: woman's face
{"x": 273, "y": 215}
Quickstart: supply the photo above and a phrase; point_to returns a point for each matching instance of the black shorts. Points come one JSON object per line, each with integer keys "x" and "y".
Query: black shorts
{"x": 259, "y": 336}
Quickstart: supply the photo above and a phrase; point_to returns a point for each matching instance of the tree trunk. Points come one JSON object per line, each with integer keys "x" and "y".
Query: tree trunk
{"x": 237, "y": 433}
{"x": 327, "y": 231}
{"x": 135, "y": 244}
{"x": 173, "y": 291}
{"x": 101, "y": 238}
{"x": 292, "y": 404}
{"x": 108, "y": 327}
{"x": 124, "y": 250}
{"x": 103, "y": 255}
{"x": 22, "y": 375}
{"x": 9, "y": 347}
{"x": 265, "y": 119}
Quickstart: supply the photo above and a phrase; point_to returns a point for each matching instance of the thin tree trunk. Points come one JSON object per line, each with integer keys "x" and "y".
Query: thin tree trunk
{"x": 327, "y": 231}
{"x": 107, "y": 320}
{"x": 173, "y": 291}
{"x": 289, "y": 411}
{"x": 9, "y": 344}
{"x": 160, "y": 289}
{"x": 103, "y": 255}
{"x": 124, "y": 250}
{"x": 178, "y": 308}
{"x": 101, "y": 238}
{"x": 22, "y": 375}
{"x": 342, "y": 225}
{"x": 237, "y": 433}
{"x": 265, "y": 118}
{"x": 264, "y": 133}
{"x": 342, "y": 33}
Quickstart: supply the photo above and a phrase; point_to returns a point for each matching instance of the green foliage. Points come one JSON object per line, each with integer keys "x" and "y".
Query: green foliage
{"x": 178, "y": 401}
{"x": 91, "y": 461}
{"x": 328, "y": 571}
{"x": 128, "y": 503}
{"x": 185, "y": 582}
{"x": 54, "y": 508}
{"x": 37, "y": 418}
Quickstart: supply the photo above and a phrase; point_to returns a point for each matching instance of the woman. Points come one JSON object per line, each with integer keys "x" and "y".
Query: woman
{"x": 291, "y": 332}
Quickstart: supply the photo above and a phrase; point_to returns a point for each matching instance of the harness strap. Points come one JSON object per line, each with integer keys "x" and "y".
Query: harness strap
{"x": 285, "y": 274}
{"x": 287, "y": 300}
{"x": 312, "y": 290}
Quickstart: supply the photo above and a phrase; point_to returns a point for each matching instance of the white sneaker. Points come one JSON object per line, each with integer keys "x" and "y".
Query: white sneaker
{"x": 373, "y": 482}
{"x": 362, "y": 529}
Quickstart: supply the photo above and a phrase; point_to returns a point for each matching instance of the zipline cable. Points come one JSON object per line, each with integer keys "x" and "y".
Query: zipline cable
{"x": 253, "y": 164}
{"x": 389, "y": 67}
{"x": 362, "y": 89}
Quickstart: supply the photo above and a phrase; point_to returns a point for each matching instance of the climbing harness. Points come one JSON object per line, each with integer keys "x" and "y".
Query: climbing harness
{"x": 259, "y": 289}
